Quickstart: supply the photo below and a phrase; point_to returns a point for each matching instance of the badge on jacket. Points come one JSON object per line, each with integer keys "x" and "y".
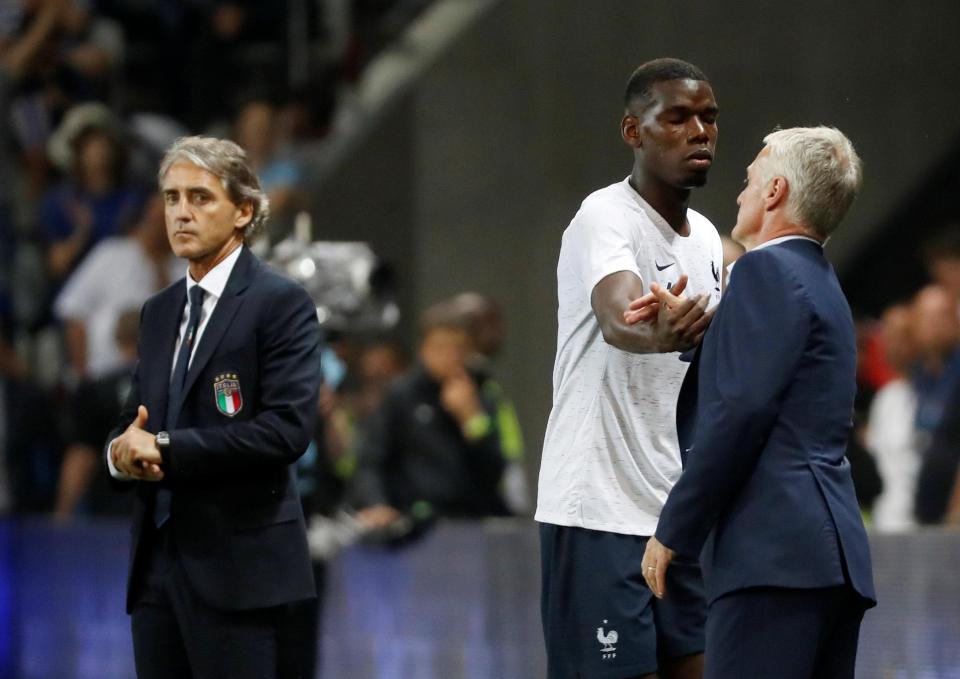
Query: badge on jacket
{"x": 226, "y": 389}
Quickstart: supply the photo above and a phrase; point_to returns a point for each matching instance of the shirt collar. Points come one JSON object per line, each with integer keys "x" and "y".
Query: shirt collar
{"x": 784, "y": 239}
{"x": 657, "y": 219}
{"x": 775, "y": 241}
{"x": 216, "y": 279}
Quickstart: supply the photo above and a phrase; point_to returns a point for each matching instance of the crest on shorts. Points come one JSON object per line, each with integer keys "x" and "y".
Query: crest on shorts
{"x": 607, "y": 642}
{"x": 226, "y": 390}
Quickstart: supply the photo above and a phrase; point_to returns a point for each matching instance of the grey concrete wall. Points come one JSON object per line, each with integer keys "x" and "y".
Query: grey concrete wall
{"x": 483, "y": 164}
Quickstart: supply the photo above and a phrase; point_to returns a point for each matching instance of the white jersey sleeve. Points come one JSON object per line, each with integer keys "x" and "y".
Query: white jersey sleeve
{"x": 606, "y": 242}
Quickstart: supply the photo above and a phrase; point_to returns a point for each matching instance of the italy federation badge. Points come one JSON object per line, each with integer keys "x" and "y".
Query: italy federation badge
{"x": 226, "y": 388}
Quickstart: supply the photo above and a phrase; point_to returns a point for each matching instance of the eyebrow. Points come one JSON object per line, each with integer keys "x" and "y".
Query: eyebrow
{"x": 683, "y": 108}
{"x": 188, "y": 189}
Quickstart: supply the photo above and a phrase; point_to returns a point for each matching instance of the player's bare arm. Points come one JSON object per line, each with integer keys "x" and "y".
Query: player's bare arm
{"x": 675, "y": 327}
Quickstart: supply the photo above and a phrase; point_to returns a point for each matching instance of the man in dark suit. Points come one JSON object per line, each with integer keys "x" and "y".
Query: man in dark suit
{"x": 221, "y": 405}
{"x": 766, "y": 497}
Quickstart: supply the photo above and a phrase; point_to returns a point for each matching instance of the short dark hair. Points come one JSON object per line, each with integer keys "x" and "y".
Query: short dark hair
{"x": 658, "y": 70}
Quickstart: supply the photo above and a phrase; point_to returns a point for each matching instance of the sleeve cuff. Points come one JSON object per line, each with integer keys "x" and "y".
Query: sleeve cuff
{"x": 114, "y": 472}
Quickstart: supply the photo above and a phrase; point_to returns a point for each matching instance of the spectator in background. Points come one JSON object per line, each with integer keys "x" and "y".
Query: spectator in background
{"x": 484, "y": 319}
{"x": 936, "y": 331}
{"x": 95, "y": 200}
{"x": 936, "y": 381}
{"x": 863, "y": 466}
{"x": 257, "y": 131}
{"x": 92, "y": 51}
{"x": 890, "y": 435}
{"x": 946, "y": 447}
{"x": 380, "y": 365}
{"x": 433, "y": 448}
{"x": 17, "y": 55}
{"x": 77, "y": 63}
{"x": 120, "y": 273}
{"x": 347, "y": 405}
{"x": 84, "y": 482}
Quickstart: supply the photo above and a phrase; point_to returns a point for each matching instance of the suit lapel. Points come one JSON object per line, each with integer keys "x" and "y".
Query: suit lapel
{"x": 223, "y": 315}
{"x": 158, "y": 355}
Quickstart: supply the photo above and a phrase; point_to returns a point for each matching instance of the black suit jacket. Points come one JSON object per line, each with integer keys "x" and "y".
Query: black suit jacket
{"x": 236, "y": 520}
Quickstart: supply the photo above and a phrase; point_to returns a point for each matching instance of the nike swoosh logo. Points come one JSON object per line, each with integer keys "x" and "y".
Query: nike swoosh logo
{"x": 665, "y": 266}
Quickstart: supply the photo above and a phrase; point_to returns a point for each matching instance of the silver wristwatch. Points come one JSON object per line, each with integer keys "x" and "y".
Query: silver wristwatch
{"x": 162, "y": 439}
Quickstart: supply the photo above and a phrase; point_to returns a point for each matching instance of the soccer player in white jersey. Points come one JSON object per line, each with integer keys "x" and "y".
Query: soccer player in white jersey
{"x": 611, "y": 454}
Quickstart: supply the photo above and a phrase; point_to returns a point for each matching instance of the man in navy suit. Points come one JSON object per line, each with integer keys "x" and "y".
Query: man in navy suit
{"x": 766, "y": 497}
{"x": 221, "y": 405}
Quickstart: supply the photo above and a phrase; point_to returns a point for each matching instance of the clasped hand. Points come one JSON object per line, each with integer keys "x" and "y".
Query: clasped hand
{"x": 680, "y": 322}
{"x": 135, "y": 451}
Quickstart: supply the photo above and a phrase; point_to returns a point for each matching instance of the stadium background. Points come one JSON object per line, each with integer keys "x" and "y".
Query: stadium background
{"x": 473, "y": 131}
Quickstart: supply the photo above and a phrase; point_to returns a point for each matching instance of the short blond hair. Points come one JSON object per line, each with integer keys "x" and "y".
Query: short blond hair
{"x": 823, "y": 173}
{"x": 228, "y": 161}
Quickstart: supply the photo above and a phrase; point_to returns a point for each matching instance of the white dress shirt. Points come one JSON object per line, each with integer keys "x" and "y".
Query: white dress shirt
{"x": 784, "y": 239}
{"x": 213, "y": 284}
{"x": 774, "y": 241}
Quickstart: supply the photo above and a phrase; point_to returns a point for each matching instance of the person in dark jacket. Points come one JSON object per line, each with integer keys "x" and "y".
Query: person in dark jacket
{"x": 433, "y": 448}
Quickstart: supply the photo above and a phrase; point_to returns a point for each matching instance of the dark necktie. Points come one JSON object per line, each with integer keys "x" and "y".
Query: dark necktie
{"x": 161, "y": 508}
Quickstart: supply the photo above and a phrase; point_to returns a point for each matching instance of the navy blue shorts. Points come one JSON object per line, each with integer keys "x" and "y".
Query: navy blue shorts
{"x": 600, "y": 620}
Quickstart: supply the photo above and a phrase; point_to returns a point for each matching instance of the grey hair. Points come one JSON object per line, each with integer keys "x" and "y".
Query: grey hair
{"x": 823, "y": 173}
{"x": 228, "y": 161}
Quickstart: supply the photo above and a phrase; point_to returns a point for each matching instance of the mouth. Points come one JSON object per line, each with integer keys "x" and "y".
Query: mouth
{"x": 701, "y": 159}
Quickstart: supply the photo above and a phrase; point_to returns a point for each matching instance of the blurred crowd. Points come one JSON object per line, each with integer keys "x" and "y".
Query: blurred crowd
{"x": 92, "y": 92}
{"x": 905, "y": 451}
{"x": 403, "y": 440}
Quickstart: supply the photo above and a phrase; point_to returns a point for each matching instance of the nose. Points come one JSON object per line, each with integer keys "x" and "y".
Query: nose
{"x": 180, "y": 211}
{"x": 699, "y": 130}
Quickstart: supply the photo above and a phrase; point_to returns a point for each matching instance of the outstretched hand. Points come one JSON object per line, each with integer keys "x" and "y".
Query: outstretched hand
{"x": 647, "y": 307}
{"x": 680, "y": 321}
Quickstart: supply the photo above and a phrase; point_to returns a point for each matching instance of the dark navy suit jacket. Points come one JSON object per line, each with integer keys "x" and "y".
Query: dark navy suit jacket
{"x": 766, "y": 497}
{"x": 236, "y": 522}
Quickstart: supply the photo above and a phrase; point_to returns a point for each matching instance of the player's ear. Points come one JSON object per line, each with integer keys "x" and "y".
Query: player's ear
{"x": 630, "y": 131}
